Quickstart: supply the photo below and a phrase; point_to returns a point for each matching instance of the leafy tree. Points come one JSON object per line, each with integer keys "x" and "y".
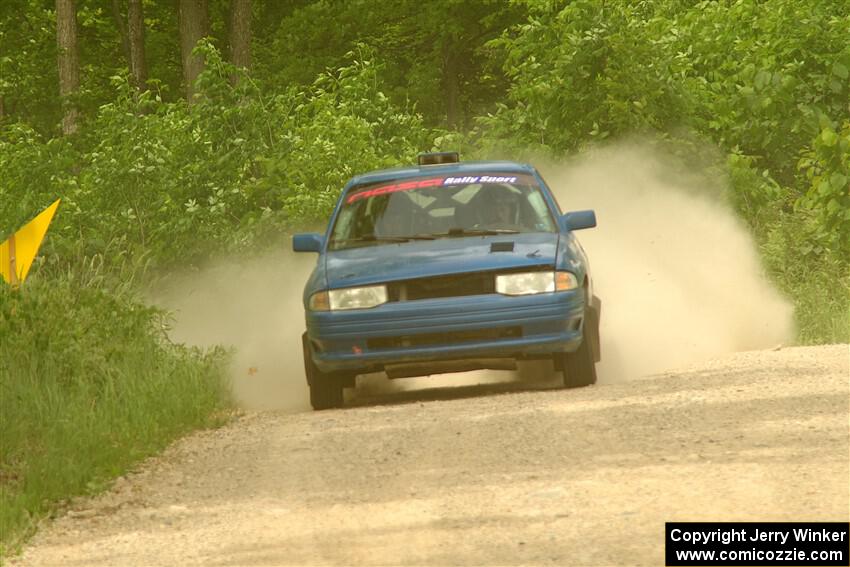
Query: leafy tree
{"x": 29, "y": 78}
{"x": 826, "y": 165}
{"x": 148, "y": 180}
{"x": 766, "y": 76}
{"x": 434, "y": 52}
{"x": 590, "y": 70}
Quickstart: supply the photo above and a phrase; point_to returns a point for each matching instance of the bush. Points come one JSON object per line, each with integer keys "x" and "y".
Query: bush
{"x": 588, "y": 72}
{"x": 150, "y": 182}
{"x": 817, "y": 279}
{"x": 826, "y": 166}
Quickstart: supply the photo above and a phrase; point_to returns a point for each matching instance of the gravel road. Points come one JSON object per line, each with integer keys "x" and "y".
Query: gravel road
{"x": 485, "y": 476}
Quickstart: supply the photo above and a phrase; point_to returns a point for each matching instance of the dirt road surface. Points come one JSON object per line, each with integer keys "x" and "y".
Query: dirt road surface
{"x": 483, "y": 476}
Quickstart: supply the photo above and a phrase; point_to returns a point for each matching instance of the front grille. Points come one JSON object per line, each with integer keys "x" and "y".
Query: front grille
{"x": 454, "y": 337}
{"x": 454, "y": 285}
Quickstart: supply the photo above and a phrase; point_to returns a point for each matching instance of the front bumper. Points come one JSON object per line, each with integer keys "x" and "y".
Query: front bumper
{"x": 457, "y": 328}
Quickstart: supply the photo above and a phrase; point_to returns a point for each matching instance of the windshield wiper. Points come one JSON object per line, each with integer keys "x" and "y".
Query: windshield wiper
{"x": 419, "y": 237}
{"x": 373, "y": 238}
{"x": 477, "y": 232}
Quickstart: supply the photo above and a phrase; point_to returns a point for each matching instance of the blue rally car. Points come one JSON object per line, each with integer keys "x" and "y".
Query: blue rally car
{"x": 445, "y": 267}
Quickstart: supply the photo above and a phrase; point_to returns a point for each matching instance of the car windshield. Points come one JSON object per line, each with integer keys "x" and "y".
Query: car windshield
{"x": 429, "y": 207}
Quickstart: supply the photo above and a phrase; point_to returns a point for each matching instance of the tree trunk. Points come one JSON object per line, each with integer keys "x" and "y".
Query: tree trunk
{"x": 69, "y": 62}
{"x": 240, "y": 34}
{"x": 136, "y": 35}
{"x": 121, "y": 24}
{"x": 451, "y": 86}
{"x": 193, "y": 20}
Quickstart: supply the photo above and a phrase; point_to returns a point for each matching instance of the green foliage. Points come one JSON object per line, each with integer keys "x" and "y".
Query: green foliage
{"x": 765, "y": 76}
{"x": 827, "y": 169}
{"x": 758, "y": 77}
{"x": 28, "y": 83}
{"x": 29, "y": 80}
{"x": 35, "y": 172}
{"x": 589, "y": 71}
{"x": 754, "y": 194}
{"x": 817, "y": 279}
{"x": 431, "y": 48}
{"x": 344, "y": 125}
{"x": 90, "y": 384}
{"x": 170, "y": 181}
{"x": 435, "y": 51}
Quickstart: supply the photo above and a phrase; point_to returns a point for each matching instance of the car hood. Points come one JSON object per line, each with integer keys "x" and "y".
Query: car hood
{"x": 423, "y": 258}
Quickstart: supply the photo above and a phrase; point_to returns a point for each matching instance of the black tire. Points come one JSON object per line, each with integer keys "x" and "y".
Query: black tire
{"x": 325, "y": 389}
{"x": 579, "y": 367}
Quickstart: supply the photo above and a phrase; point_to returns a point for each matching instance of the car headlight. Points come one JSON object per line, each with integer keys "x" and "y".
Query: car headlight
{"x": 528, "y": 283}
{"x": 349, "y": 298}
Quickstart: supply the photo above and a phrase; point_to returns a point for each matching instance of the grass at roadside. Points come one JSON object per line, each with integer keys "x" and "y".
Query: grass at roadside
{"x": 89, "y": 385}
{"x": 822, "y": 309}
{"x": 817, "y": 284}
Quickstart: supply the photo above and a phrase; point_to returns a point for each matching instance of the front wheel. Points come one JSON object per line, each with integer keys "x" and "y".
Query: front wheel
{"x": 325, "y": 389}
{"x": 579, "y": 367}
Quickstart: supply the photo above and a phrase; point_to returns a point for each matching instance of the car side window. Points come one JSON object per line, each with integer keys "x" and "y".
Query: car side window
{"x": 541, "y": 211}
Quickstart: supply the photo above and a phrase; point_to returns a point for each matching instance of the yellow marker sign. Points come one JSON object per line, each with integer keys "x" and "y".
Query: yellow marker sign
{"x": 18, "y": 253}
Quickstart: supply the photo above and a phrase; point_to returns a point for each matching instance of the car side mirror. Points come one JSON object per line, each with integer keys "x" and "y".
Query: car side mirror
{"x": 577, "y": 220}
{"x": 307, "y": 242}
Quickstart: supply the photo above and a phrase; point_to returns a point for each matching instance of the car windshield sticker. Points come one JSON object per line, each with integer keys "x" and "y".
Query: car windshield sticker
{"x": 480, "y": 179}
{"x": 437, "y": 182}
{"x": 384, "y": 189}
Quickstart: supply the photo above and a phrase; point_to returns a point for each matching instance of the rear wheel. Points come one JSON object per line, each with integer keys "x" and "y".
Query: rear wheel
{"x": 579, "y": 367}
{"x": 325, "y": 389}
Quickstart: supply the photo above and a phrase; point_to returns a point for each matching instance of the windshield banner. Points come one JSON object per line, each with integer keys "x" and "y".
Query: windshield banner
{"x": 511, "y": 179}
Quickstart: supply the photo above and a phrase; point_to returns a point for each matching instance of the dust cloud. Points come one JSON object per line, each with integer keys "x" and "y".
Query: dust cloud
{"x": 678, "y": 274}
{"x": 253, "y": 306}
